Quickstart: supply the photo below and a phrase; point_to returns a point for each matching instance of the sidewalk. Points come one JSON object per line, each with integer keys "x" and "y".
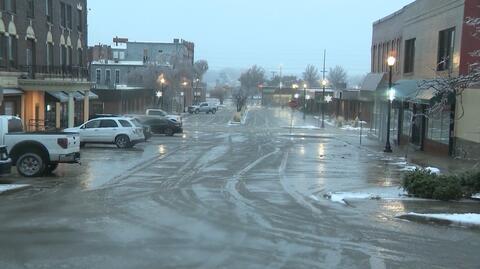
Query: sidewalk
{"x": 420, "y": 158}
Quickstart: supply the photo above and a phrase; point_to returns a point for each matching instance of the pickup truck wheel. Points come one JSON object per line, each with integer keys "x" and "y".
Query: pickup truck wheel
{"x": 30, "y": 165}
{"x": 122, "y": 142}
{"x": 50, "y": 168}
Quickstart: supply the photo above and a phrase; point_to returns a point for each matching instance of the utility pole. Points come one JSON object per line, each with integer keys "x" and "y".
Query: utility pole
{"x": 324, "y": 84}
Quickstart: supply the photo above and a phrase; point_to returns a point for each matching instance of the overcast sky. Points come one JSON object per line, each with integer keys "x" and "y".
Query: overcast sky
{"x": 240, "y": 33}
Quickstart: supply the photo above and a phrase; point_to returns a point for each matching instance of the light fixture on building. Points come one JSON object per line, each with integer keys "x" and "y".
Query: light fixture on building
{"x": 49, "y": 108}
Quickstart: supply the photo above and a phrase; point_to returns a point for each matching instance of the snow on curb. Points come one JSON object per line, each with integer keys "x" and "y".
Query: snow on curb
{"x": 476, "y": 196}
{"x": 242, "y": 121}
{"x": 458, "y": 219}
{"x": 306, "y": 127}
{"x": 342, "y": 197}
{"x": 12, "y": 187}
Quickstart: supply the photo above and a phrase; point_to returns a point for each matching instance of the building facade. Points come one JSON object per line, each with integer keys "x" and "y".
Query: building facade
{"x": 430, "y": 39}
{"x": 127, "y": 78}
{"x": 43, "y": 61}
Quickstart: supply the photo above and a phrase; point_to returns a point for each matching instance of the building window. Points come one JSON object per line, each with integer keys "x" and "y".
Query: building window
{"x": 108, "y": 76}
{"x": 49, "y": 10}
{"x": 407, "y": 122}
{"x": 49, "y": 55}
{"x": 63, "y": 15}
{"x": 3, "y": 50}
{"x": 98, "y": 77}
{"x": 446, "y": 44}
{"x": 63, "y": 55}
{"x": 69, "y": 56}
{"x": 12, "y": 51}
{"x": 117, "y": 77}
{"x": 439, "y": 128}
{"x": 80, "y": 57}
{"x": 30, "y": 9}
{"x": 80, "y": 20}
{"x": 69, "y": 17}
{"x": 10, "y": 6}
{"x": 409, "y": 62}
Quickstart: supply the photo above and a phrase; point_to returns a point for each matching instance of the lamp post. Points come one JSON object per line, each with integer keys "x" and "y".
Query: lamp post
{"x": 162, "y": 82}
{"x": 304, "y": 101}
{"x": 184, "y": 84}
{"x": 159, "y": 96}
{"x": 391, "y": 62}
{"x": 324, "y": 84}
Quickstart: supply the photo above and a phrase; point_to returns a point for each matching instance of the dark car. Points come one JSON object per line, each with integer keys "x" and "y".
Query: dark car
{"x": 161, "y": 125}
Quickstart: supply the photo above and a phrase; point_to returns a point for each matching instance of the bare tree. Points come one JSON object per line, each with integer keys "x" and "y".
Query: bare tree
{"x": 240, "y": 96}
{"x": 252, "y": 79}
{"x": 337, "y": 77}
{"x": 311, "y": 76}
{"x": 200, "y": 68}
{"x": 219, "y": 92}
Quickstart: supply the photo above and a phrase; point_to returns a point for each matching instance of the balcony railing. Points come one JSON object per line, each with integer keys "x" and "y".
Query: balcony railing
{"x": 50, "y": 72}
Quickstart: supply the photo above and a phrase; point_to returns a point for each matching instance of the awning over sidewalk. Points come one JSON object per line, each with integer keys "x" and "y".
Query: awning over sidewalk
{"x": 409, "y": 90}
{"x": 59, "y": 96}
{"x": 12, "y": 91}
{"x": 373, "y": 82}
{"x": 62, "y": 97}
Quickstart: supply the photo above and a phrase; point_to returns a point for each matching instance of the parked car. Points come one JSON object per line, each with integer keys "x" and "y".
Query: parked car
{"x": 38, "y": 153}
{"x": 147, "y": 131}
{"x": 161, "y": 125}
{"x": 96, "y": 116}
{"x": 203, "y": 107}
{"x": 161, "y": 113}
{"x": 120, "y": 131}
{"x": 5, "y": 161}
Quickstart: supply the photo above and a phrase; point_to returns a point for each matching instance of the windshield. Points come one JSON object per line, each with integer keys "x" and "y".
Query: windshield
{"x": 242, "y": 134}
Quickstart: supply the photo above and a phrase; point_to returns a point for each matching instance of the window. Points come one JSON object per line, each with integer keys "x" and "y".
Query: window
{"x": 63, "y": 55}
{"x": 30, "y": 9}
{"x": 107, "y": 76}
{"x": 446, "y": 44}
{"x": 10, "y": 6}
{"x": 70, "y": 56}
{"x": 108, "y": 124}
{"x": 117, "y": 76}
{"x": 409, "y": 63}
{"x": 98, "y": 76}
{"x": 63, "y": 15}
{"x": 92, "y": 124}
{"x": 3, "y": 50}
{"x": 50, "y": 55}
{"x": 49, "y": 10}
{"x": 12, "y": 51}
{"x": 125, "y": 123}
{"x": 80, "y": 20}
{"x": 69, "y": 17}
{"x": 439, "y": 128}
{"x": 407, "y": 122}
{"x": 80, "y": 57}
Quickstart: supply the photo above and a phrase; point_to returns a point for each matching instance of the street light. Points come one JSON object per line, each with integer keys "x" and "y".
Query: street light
{"x": 305, "y": 101}
{"x": 160, "y": 94}
{"x": 391, "y": 95}
{"x": 324, "y": 84}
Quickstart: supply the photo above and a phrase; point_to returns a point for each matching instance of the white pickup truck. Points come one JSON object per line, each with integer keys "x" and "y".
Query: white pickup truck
{"x": 39, "y": 153}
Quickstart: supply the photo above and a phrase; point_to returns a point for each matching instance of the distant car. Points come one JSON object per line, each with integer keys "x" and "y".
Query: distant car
{"x": 203, "y": 107}
{"x": 161, "y": 113}
{"x": 120, "y": 131}
{"x": 160, "y": 125}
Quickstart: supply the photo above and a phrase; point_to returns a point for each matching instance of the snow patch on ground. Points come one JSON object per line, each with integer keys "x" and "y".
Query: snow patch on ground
{"x": 343, "y": 197}
{"x": 476, "y": 196}
{"x": 433, "y": 170}
{"x": 305, "y": 127}
{"x": 12, "y": 187}
{"x": 461, "y": 219}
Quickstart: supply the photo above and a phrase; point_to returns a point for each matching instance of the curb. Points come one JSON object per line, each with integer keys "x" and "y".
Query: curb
{"x": 12, "y": 188}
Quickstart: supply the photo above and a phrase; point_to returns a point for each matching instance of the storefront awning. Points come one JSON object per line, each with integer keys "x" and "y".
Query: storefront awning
{"x": 80, "y": 96}
{"x": 410, "y": 90}
{"x": 373, "y": 82}
{"x": 13, "y": 91}
{"x": 60, "y": 96}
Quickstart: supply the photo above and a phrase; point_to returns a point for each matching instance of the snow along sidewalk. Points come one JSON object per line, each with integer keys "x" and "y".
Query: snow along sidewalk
{"x": 8, "y": 188}
{"x": 470, "y": 220}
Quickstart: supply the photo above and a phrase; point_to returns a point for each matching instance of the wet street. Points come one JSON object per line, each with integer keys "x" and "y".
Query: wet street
{"x": 222, "y": 196}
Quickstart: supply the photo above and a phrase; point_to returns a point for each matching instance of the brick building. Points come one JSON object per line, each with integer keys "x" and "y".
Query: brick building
{"x": 43, "y": 61}
{"x": 429, "y": 39}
